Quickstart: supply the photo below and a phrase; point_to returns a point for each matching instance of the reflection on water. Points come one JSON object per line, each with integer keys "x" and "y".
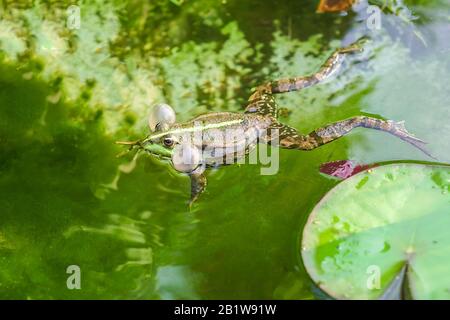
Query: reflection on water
{"x": 66, "y": 199}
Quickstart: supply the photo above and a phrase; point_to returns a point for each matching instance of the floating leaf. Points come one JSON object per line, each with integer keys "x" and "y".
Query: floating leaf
{"x": 365, "y": 231}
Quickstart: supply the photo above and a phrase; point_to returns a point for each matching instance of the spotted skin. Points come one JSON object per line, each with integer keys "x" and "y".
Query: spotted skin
{"x": 263, "y": 104}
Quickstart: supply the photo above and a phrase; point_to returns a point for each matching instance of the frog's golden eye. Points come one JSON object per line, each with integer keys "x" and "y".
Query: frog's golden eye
{"x": 168, "y": 141}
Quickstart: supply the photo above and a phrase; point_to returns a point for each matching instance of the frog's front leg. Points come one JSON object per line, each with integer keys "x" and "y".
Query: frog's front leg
{"x": 198, "y": 185}
{"x": 187, "y": 158}
{"x": 289, "y": 138}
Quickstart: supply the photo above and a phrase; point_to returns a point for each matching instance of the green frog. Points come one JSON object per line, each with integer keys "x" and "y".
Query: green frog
{"x": 221, "y": 138}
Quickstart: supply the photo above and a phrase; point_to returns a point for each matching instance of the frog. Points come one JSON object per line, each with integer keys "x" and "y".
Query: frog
{"x": 183, "y": 144}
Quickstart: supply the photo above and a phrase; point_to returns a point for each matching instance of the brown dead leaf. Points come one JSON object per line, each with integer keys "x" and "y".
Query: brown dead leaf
{"x": 334, "y": 5}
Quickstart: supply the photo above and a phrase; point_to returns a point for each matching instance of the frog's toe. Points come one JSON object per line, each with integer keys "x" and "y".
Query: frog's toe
{"x": 402, "y": 133}
{"x": 355, "y": 47}
{"x": 400, "y": 128}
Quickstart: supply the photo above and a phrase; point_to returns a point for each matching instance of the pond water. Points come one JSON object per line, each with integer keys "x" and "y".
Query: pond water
{"x": 67, "y": 94}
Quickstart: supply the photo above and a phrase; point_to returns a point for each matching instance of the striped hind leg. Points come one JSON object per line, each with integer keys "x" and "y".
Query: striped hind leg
{"x": 331, "y": 66}
{"x": 289, "y": 138}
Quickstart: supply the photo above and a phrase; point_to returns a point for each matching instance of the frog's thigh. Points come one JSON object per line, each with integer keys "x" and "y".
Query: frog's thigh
{"x": 287, "y": 137}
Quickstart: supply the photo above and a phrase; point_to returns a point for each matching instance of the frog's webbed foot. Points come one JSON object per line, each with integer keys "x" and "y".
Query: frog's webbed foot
{"x": 198, "y": 185}
{"x": 399, "y": 130}
{"x": 355, "y": 47}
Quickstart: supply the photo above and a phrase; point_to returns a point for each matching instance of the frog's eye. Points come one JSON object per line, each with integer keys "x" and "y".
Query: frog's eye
{"x": 168, "y": 141}
{"x": 161, "y": 117}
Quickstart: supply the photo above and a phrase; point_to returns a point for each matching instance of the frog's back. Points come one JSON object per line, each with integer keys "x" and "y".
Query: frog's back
{"x": 230, "y": 120}
{"x": 227, "y": 135}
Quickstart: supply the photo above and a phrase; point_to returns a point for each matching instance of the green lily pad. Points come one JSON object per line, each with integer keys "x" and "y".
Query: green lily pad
{"x": 381, "y": 229}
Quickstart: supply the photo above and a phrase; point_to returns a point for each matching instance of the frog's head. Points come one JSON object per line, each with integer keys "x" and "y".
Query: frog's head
{"x": 164, "y": 140}
{"x": 161, "y": 141}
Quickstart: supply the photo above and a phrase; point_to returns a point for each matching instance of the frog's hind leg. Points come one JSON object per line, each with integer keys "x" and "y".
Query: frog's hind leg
{"x": 331, "y": 66}
{"x": 262, "y": 100}
{"x": 289, "y": 138}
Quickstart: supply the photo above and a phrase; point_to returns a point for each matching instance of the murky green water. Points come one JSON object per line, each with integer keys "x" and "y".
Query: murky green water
{"x": 67, "y": 95}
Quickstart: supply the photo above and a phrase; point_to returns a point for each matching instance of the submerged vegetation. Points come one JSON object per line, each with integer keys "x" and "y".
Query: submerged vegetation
{"x": 66, "y": 94}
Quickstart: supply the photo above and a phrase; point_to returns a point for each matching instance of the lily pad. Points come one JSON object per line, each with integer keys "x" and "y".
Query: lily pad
{"x": 381, "y": 229}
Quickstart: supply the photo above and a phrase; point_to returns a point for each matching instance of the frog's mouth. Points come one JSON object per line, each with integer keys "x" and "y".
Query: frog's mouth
{"x": 148, "y": 146}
